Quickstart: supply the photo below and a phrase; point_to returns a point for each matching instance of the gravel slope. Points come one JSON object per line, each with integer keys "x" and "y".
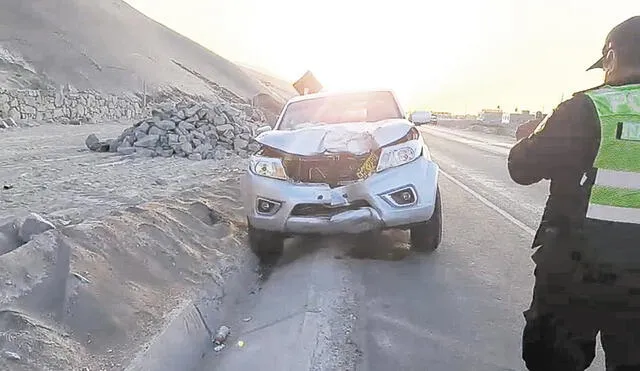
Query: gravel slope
{"x": 106, "y": 45}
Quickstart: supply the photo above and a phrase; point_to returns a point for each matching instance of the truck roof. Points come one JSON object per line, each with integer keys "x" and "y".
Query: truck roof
{"x": 336, "y": 93}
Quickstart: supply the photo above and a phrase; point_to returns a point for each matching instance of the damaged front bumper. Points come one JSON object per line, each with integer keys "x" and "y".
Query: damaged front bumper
{"x": 395, "y": 198}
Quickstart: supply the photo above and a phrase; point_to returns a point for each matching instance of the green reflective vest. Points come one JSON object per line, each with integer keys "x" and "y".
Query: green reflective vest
{"x": 615, "y": 195}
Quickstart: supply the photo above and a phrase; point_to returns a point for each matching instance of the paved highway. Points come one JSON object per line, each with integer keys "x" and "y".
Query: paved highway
{"x": 338, "y": 304}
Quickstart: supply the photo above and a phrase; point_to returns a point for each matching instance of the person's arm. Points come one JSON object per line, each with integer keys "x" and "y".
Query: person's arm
{"x": 562, "y": 142}
{"x": 527, "y": 128}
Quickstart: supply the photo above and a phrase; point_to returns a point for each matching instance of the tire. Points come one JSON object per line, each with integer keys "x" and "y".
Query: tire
{"x": 265, "y": 243}
{"x": 426, "y": 236}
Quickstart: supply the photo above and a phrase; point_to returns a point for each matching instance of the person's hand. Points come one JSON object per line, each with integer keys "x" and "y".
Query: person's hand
{"x": 526, "y": 129}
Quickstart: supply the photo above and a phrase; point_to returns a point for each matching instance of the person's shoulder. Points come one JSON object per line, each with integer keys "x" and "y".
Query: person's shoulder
{"x": 577, "y": 112}
{"x": 579, "y": 103}
{"x": 571, "y": 114}
{"x": 584, "y": 92}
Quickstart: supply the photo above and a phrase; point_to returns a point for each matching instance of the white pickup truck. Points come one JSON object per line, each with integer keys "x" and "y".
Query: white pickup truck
{"x": 423, "y": 117}
{"x": 341, "y": 163}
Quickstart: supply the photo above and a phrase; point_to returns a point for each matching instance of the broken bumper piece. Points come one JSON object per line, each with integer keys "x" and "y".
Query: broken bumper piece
{"x": 350, "y": 221}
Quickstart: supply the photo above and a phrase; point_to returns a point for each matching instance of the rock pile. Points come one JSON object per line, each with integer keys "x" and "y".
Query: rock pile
{"x": 194, "y": 130}
{"x": 8, "y": 123}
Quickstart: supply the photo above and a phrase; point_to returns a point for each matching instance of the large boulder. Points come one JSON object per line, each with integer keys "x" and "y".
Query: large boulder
{"x": 92, "y": 142}
{"x": 33, "y": 225}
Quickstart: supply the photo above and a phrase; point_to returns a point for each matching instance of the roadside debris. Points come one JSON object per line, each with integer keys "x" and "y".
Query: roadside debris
{"x": 11, "y": 356}
{"x": 218, "y": 348}
{"x": 81, "y": 278}
{"x": 240, "y": 343}
{"x": 221, "y": 335}
{"x": 220, "y": 338}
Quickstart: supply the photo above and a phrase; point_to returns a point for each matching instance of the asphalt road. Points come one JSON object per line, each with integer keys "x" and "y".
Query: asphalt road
{"x": 338, "y": 304}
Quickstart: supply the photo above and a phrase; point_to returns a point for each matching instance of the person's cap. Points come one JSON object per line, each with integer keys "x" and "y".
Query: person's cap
{"x": 625, "y": 36}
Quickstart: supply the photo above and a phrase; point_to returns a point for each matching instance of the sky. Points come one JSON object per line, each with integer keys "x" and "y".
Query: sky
{"x": 450, "y": 55}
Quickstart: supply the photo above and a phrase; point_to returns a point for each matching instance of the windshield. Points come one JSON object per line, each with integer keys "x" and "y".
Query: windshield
{"x": 337, "y": 109}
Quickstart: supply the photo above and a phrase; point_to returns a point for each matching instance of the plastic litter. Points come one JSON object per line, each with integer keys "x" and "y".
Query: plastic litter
{"x": 218, "y": 348}
{"x": 221, "y": 335}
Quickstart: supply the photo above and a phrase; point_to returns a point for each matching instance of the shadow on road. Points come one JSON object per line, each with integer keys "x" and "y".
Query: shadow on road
{"x": 389, "y": 246}
{"x": 295, "y": 249}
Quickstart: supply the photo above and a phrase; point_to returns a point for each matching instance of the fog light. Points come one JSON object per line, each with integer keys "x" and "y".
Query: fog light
{"x": 267, "y": 207}
{"x": 402, "y": 197}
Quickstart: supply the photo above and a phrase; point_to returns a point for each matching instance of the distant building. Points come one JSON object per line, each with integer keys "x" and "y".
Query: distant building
{"x": 443, "y": 115}
{"x": 465, "y": 117}
{"x": 491, "y": 116}
{"x": 517, "y": 118}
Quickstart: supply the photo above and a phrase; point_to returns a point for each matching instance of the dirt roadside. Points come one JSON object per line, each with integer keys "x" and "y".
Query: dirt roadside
{"x": 136, "y": 238}
{"x": 50, "y": 171}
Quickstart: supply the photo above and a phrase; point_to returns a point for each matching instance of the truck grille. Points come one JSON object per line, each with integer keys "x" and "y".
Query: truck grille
{"x": 322, "y": 210}
{"x": 333, "y": 170}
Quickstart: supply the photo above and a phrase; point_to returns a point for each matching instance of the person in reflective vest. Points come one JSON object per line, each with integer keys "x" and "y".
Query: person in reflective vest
{"x": 588, "y": 243}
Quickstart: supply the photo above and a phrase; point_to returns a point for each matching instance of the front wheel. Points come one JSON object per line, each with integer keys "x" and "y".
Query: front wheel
{"x": 426, "y": 237}
{"x": 265, "y": 243}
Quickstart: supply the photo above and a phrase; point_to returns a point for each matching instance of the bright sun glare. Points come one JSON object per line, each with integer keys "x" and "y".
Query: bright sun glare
{"x": 461, "y": 55}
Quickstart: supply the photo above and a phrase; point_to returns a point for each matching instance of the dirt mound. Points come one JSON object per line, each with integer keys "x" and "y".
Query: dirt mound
{"x": 22, "y": 335}
{"x": 92, "y": 295}
{"x": 105, "y": 45}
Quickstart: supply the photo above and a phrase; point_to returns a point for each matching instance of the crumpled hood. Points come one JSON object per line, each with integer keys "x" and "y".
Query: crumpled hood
{"x": 357, "y": 138}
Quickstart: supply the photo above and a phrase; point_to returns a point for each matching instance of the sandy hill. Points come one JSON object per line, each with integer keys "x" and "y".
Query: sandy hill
{"x": 105, "y": 45}
{"x": 274, "y": 85}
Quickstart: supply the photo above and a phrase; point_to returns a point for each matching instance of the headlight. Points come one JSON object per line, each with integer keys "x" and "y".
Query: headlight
{"x": 268, "y": 167}
{"x": 399, "y": 154}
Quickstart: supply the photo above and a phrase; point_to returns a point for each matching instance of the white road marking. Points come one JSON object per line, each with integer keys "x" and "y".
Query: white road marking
{"x": 490, "y": 204}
